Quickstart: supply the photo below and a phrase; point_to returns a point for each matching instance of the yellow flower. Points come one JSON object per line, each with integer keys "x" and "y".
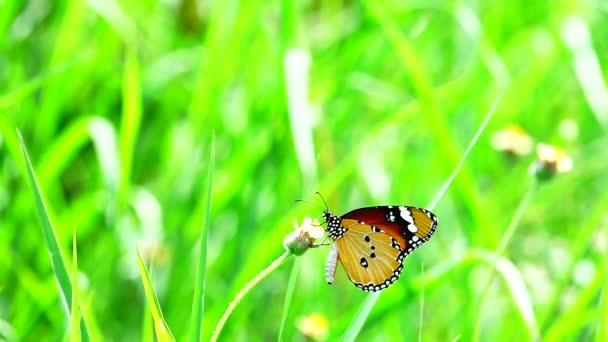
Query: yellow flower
{"x": 550, "y": 161}
{"x": 314, "y": 326}
{"x": 304, "y": 236}
{"x": 512, "y": 140}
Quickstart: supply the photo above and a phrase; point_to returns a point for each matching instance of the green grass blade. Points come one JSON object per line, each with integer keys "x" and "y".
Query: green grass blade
{"x": 50, "y": 237}
{"x": 198, "y": 301}
{"x": 472, "y": 143}
{"x": 75, "y": 333}
{"x": 163, "y": 333}
{"x": 507, "y": 272}
{"x": 368, "y": 304}
{"x": 147, "y": 328}
{"x": 357, "y": 323}
{"x": 131, "y": 119}
{"x": 517, "y": 288}
{"x": 500, "y": 250}
{"x": 291, "y": 285}
{"x": 575, "y": 32}
{"x": 569, "y": 321}
{"x": 52, "y": 242}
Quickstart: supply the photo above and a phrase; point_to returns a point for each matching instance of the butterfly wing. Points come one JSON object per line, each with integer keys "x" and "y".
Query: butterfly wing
{"x": 371, "y": 258}
{"x": 410, "y": 226}
{"x": 376, "y": 240}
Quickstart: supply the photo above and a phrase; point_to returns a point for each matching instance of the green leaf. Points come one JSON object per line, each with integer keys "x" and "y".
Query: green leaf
{"x": 163, "y": 333}
{"x": 198, "y": 301}
{"x": 52, "y": 242}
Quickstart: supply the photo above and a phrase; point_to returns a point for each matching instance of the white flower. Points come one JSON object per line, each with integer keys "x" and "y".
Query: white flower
{"x": 304, "y": 236}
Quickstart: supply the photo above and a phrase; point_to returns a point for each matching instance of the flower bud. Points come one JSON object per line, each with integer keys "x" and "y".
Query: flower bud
{"x": 512, "y": 141}
{"x": 550, "y": 161}
{"x": 304, "y": 236}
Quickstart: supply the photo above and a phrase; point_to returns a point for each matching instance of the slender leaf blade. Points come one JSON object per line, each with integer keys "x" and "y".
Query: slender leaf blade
{"x": 163, "y": 333}
{"x": 58, "y": 263}
{"x": 198, "y": 300}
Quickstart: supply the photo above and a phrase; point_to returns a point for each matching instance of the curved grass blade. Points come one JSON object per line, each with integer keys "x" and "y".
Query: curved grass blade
{"x": 52, "y": 242}
{"x": 198, "y": 301}
{"x": 357, "y": 323}
{"x": 517, "y": 288}
{"x": 570, "y": 322}
{"x": 163, "y": 333}
{"x": 507, "y": 272}
{"x": 500, "y": 250}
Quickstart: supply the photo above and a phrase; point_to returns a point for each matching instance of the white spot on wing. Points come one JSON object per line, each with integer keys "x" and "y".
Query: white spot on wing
{"x": 406, "y": 214}
{"x": 412, "y": 228}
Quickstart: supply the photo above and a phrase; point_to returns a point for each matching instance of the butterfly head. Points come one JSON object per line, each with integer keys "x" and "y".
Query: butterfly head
{"x": 334, "y": 225}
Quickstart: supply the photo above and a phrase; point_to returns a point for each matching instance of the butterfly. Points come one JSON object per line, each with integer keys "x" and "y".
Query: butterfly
{"x": 371, "y": 243}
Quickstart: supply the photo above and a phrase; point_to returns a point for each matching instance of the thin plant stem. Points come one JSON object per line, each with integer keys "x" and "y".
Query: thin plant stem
{"x": 523, "y": 204}
{"x": 289, "y": 296}
{"x": 273, "y": 266}
{"x": 421, "y": 304}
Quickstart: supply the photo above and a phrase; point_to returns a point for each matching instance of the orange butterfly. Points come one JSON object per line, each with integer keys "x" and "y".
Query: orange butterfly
{"x": 371, "y": 243}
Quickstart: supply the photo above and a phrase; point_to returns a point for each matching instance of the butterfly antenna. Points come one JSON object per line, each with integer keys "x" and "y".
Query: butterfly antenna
{"x": 314, "y": 205}
{"x": 323, "y": 199}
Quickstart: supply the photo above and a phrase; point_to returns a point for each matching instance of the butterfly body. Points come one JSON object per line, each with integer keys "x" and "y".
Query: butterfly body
{"x": 372, "y": 243}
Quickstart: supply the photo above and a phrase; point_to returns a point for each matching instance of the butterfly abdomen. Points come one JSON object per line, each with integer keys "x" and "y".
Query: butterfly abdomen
{"x": 332, "y": 263}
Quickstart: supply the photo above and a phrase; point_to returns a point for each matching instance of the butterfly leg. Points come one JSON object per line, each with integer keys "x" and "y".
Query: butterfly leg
{"x": 323, "y": 243}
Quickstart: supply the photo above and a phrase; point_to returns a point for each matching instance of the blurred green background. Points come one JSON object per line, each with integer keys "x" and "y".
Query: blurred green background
{"x": 369, "y": 103}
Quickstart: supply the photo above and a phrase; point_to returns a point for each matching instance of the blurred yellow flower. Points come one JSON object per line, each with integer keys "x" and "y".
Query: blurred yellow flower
{"x": 550, "y": 161}
{"x": 512, "y": 140}
{"x": 314, "y": 326}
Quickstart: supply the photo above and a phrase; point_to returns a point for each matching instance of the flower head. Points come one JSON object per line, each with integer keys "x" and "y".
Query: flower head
{"x": 550, "y": 160}
{"x": 313, "y": 326}
{"x": 512, "y": 140}
{"x": 304, "y": 236}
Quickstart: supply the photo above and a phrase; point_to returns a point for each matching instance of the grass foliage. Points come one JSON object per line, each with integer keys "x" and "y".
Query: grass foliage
{"x": 367, "y": 102}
